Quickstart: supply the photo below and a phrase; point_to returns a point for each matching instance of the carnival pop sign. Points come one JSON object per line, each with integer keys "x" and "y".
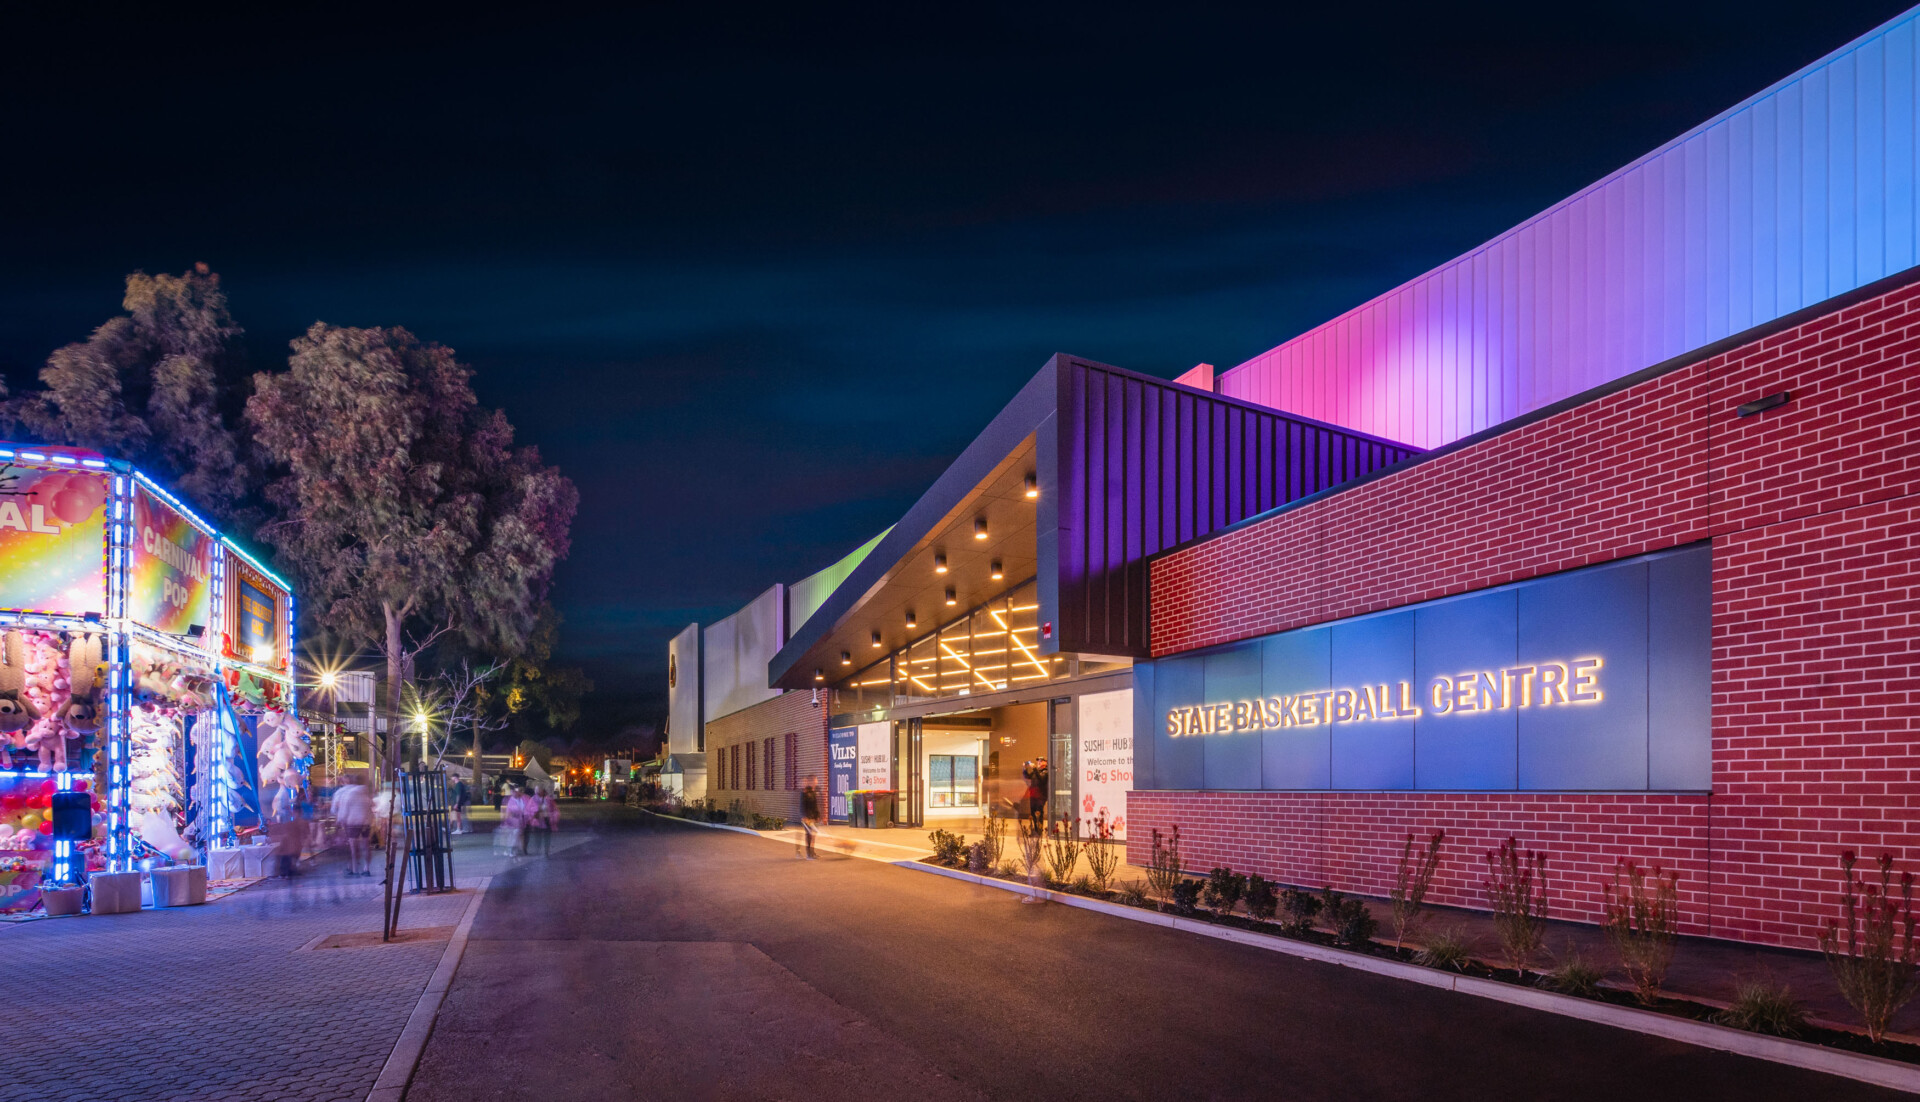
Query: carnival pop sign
{"x": 172, "y": 568}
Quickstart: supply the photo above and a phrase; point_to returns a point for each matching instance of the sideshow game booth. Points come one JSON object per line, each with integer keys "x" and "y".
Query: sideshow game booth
{"x": 147, "y": 722}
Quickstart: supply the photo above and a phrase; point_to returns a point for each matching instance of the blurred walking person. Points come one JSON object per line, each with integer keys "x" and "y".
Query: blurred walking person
{"x": 461, "y": 798}
{"x": 809, "y": 815}
{"x": 353, "y": 819}
{"x": 288, "y": 833}
{"x": 546, "y": 821}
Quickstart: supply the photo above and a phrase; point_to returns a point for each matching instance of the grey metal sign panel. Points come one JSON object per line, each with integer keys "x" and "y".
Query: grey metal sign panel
{"x": 1232, "y": 674}
{"x": 1293, "y": 663}
{"x": 1596, "y": 679}
{"x": 1566, "y": 742}
{"x": 1372, "y": 742}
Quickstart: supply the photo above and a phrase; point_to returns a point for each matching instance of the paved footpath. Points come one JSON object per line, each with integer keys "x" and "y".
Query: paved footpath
{"x": 664, "y": 960}
{"x": 224, "y": 1001}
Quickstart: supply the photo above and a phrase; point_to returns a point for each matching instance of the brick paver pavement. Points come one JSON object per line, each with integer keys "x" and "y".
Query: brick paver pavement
{"x": 222, "y": 1002}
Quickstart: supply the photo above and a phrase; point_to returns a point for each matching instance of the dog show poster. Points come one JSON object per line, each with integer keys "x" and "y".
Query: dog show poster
{"x": 53, "y": 528}
{"x": 172, "y": 589}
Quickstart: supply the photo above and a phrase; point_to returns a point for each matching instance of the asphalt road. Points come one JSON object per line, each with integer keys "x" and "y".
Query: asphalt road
{"x": 665, "y": 961}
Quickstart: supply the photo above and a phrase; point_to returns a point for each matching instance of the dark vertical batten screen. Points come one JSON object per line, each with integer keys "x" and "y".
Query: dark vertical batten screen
{"x": 1144, "y": 465}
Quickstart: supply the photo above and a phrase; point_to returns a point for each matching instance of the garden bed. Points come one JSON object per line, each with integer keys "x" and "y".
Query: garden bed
{"x": 1827, "y": 1034}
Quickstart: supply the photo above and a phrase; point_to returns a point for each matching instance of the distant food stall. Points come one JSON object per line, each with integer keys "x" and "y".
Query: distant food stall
{"x": 145, "y": 660}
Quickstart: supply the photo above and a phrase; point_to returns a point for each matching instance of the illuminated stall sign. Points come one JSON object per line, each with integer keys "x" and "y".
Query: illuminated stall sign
{"x": 172, "y": 584}
{"x": 256, "y": 615}
{"x": 52, "y": 536}
{"x": 1590, "y": 680}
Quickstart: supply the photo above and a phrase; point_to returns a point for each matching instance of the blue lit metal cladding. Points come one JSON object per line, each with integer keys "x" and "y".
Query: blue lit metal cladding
{"x": 1595, "y": 679}
{"x": 119, "y": 682}
{"x": 1801, "y": 193}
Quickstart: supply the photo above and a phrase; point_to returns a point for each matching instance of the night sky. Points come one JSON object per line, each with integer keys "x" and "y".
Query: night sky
{"x": 753, "y": 276}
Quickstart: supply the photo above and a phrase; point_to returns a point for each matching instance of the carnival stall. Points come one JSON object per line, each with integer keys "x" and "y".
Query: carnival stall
{"x": 144, "y": 660}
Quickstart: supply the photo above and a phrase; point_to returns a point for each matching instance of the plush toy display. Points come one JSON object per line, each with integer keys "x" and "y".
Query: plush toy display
{"x": 48, "y": 690}
{"x": 156, "y": 789}
{"x": 285, "y": 750}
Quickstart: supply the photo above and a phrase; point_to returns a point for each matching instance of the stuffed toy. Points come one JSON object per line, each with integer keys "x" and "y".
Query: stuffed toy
{"x": 14, "y": 720}
{"x": 82, "y": 722}
{"x": 153, "y": 680}
{"x": 154, "y": 781}
{"x": 48, "y": 690}
{"x": 285, "y": 749}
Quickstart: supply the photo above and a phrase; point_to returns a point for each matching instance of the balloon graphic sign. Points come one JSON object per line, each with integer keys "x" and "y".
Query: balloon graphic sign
{"x": 52, "y": 535}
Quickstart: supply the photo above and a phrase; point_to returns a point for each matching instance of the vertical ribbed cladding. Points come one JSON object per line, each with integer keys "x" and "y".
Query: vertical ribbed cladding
{"x": 1143, "y": 465}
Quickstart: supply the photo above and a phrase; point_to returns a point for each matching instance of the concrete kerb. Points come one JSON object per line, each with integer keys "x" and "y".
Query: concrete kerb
{"x": 394, "y": 1077}
{"x": 1800, "y": 1054}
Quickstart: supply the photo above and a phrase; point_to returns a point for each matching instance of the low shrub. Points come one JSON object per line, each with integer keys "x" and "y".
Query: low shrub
{"x": 1186, "y": 896}
{"x": 1517, "y": 891}
{"x": 1032, "y": 847}
{"x": 948, "y": 848}
{"x": 1009, "y": 869}
{"x": 1262, "y": 898}
{"x": 1576, "y": 975}
{"x": 1223, "y": 891}
{"x": 768, "y": 822}
{"x": 737, "y": 814}
{"x": 1103, "y": 854}
{"x": 716, "y": 815}
{"x": 1163, "y": 869}
{"x": 1764, "y": 1006}
{"x": 1082, "y": 885}
{"x": 1063, "y": 850}
{"x": 1448, "y": 949}
{"x": 1410, "y": 884}
{"x": 978, "y": 860}
{"x": 1134, "y": 893}
{"x": 1301, "y": 909}
{"x": 1870, "y": 950}
{"x": 1352, "y": 920}
{"x": 993, "y": 835}
{"x": 1642, "y": 920}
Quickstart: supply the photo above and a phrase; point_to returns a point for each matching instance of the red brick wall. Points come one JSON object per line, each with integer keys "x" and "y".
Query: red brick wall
{"x": 788, "y": 713}
{"x": 1813, "y": 518}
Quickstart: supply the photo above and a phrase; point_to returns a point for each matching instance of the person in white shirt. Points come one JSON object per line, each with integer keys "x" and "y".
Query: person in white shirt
{"x": 353, "y": 817}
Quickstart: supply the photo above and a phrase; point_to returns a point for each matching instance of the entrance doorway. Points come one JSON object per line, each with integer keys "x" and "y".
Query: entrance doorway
{"x": 955, "y": 770}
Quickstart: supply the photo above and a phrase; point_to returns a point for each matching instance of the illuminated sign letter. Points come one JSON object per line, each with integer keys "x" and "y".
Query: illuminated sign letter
{"x": 1586, "y": 683}
{"x": 1553, "y": 683}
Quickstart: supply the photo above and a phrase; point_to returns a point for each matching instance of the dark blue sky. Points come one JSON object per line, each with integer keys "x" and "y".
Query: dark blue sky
{"x": 753, "y": 275}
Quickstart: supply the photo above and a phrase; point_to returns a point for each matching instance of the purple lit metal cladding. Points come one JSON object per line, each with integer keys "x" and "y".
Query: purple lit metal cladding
{"x": 1799, "y": 194}
{"x": 1141, "y": 465}
{"x": 1129, "y": 465}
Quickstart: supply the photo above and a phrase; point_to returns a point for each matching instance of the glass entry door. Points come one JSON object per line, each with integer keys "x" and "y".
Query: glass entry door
{"x": 1060, "y": 763}
{"x": 908, "y": 809}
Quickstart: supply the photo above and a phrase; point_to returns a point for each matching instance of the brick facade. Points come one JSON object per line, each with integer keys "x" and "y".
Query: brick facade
{"x": 746, "y": 733}
{"x": 1816, "y": 612}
